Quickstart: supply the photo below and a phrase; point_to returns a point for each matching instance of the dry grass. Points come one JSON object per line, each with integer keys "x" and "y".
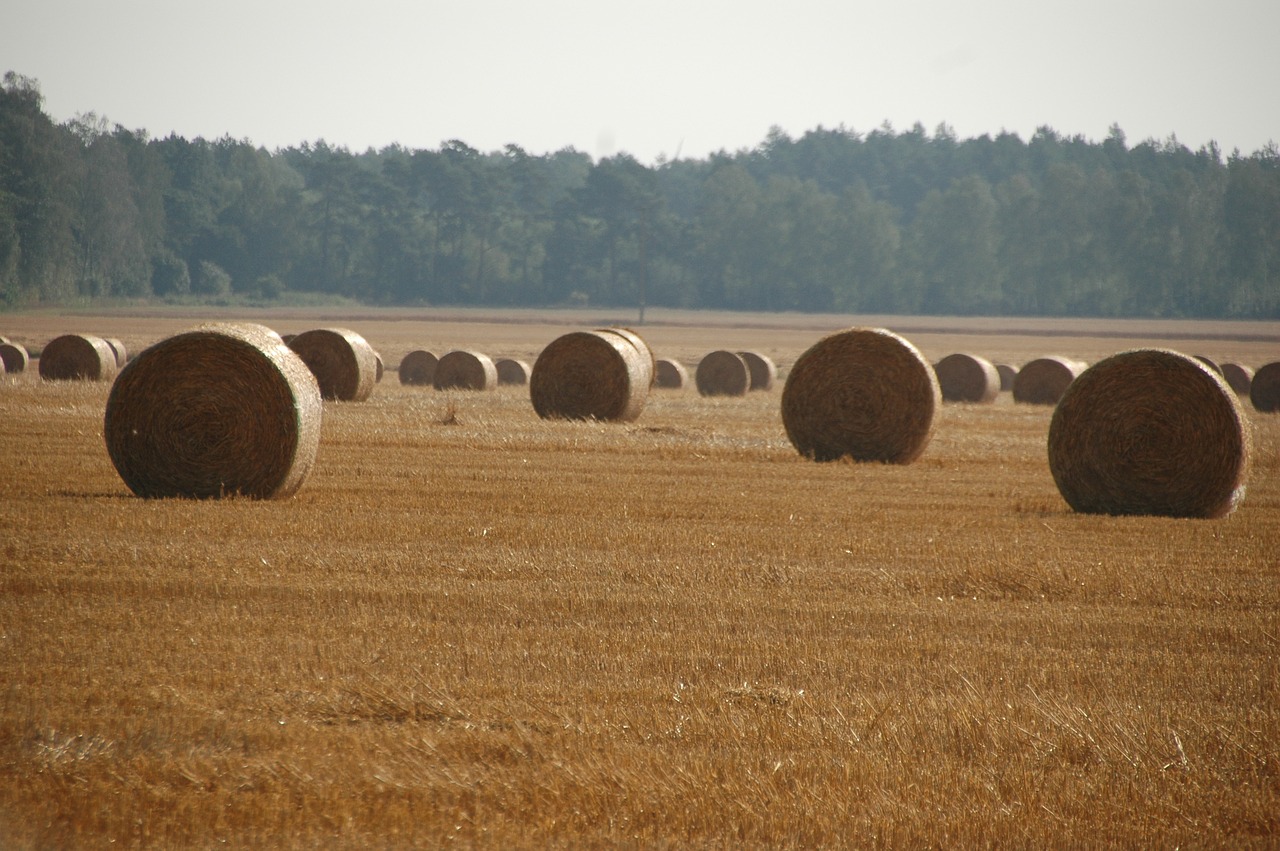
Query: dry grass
{"x": 505, "y": 631}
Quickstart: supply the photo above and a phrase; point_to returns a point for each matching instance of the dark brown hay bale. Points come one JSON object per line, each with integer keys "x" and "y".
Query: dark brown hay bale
{"x": 465, "y": 370}
{"x": 1264, "y": 390}
{"x": 1008, "y": 373}
{"x": 342, "y": 361}
{"x": 1150, "y": 431}
{"x": 512, "y": 371}
{"x": 1044, "y": 380}
{"x": 77, "y": 356}
{"x": 967, "y": 378}
{"x": 1209, "y": 362}
{"x": 865, "y": 393}
{"x": 118, "y": 349}
{"x": 418, "y": 368}
{"x": 14, "y": 357}
{"x": 641, "y": 346}
{"x": 218, "y": 410}
{"x": 722, "y": 373}
{"x": 670, "y": 374}
{"x": 762, "y": 370}
{"x": 1238, "y": 377}
{"x": 590, "y": 375}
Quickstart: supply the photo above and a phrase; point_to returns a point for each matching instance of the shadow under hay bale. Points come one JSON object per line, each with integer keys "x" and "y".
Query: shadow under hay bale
{"x": 762, "y": 370}
{"x": 465, "y": 370}
{"x": 418, "y": 368}
{"x": 1008, "y": 373}
{"x": 670, "y": 374}
{"x": 77, "y": 357}
{"x": 722, "y": 373}
{"x": 512, "y": 371}
{"x": 1153, "y": 432}
{"x": 220, "y": 410}
{"x": 967, "y": 378}
{"x": 862, "y": 393}
{"x": 1264, "y": 390}
{"x": 1044, "y": 380}
{"x": 342, "y": 361}
{"x": 1238, "y": 377}
{"x": 590, "y": 375}
{"x": 14, "y": 357}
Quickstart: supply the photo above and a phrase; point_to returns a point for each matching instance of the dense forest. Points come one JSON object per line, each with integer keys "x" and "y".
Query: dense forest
{"x": 884, "y": 221}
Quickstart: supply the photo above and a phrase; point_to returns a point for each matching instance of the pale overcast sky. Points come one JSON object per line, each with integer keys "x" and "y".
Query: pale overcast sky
{"x": 659, "y": 78}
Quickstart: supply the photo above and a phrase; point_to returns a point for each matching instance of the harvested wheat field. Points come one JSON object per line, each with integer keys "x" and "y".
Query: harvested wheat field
{"x": 472, "y": 626}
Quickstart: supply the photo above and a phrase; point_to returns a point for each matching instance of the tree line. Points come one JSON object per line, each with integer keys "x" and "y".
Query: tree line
{"x": 885, "y": 221}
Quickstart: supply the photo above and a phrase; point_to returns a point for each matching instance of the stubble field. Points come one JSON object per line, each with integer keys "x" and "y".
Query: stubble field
{"x": 474, "y": 627}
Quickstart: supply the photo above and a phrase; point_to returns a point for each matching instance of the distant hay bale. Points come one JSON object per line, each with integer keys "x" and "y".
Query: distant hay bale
{"x": 465, "y": 370}
{"x": 342, "y": 361}
{"x": 1209, "y": 362}
{"x": 216, "y": 411}
{"x": 1044, "y": 380}
{"x": 670, "y": 374}
{"x": 862, "y": 393}
{"x": 379, "y": 367}
{"x": 418, "y": 368}
{"x": 288, "y": 338}
{"x": 1264, "y": 390}
{"x": 77, "y": 356}
{"x": 590, "y": 375}
{"x": 1239, "y": 377}
{"x": 762, "y": 370}
{"x": 512, "y": 371}
{"x": 722, "y": 373}
{"x": 967, "y": 378}
{"x": 1008, "y": 373}
{"x": 118, "y": 349}
{"x": 1150, "y": 431}
{"x": 14, "y": 357}
{"x": 641, "y": 346}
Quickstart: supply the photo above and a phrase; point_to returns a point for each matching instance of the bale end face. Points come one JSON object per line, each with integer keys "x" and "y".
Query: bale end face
{"x": 465, "y": 370}
{"x": 670, "y": 374}
{"x": 723, "y": 373}
{"x": 77, "y": 357}
{"x": 590, "y": 375}
{"x": 343, "y": 362}
{"x": 512, "y": 372}
{"x": 967, "y": 378}
{"x": 1264, "y": 390}
{"x": 418, "y": 368}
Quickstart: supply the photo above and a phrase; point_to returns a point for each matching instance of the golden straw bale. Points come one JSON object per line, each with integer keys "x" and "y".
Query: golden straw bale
{"x": 641, "y": 346}
{"x": 379, "y": 368}
{"x": 220, "y": 410}
{"x": 118, "y": 349}
{"x": 77, "y": 356}
{"x": 1044, "y": 380}
{"x": 1008, "y": 373}
{"x": 342, "y": 361}
{"x": 862, "y": 393}
{"x": 14, "y": 357}
{"x": 722, "y": 373}
{"x": 670, "y": 374}
{"x": 967, "y": 378}
{"x": 1238, "y": 377}
{"x": 1150, "y": 431}
{"x": 590, "y": 375}
{"x": 761, "y": 368}
{"x": 1264, "y": 390}
{"x": 465, "y": 370}
{"x": 512, "y": 371}
{"x": 418, "y": 368}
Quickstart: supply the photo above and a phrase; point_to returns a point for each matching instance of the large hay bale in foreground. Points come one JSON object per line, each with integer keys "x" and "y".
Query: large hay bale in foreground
{"x": 762, "y": 370}
{"x": 1008, "y": 374}
{"x": 670, "y": 374}
{"x": 418, "y": 368}
{"x": 512, "y": 371}
{"x": 220, "y": 410}
{"x": 967, "y": 378}
{"x": 862, "y": 393}
{"x": 465, "y": 370}
{"x": 1239, "y": 377}
{"x": 118, "y": 349}
{"x": 342, "y": 361}
{"x": 77, "y": 356}
{"x": 14, "y": 357}
{"x": 722, "y": 373}
{"x": 1264, "y": 390}
{"x": 651, "y": 373}
{"x": 590, "y": 375}
{"x": 1044, "y": 380}
{"x": 1150, "y": 431}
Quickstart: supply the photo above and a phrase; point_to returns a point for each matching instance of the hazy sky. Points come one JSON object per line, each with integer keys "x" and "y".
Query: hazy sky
{"x": 655, "y": 78}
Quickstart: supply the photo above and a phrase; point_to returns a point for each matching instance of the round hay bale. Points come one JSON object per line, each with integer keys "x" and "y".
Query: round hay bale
{"x": 967, "y": 378}
{"x": 342, "y": 361}
{"x": 465, "y": 370}
{"x": 77, "y": 356}
{"x": 864, "y": 393}
{"x": 641, "y": 346}
{"x": 418, "y": 368}
{"x": 379, "y": 367}
{"x": 1238, "y": 377}
{"x": 722, "y": 373}
{"x": 512, "y": 371}
{"x": 1209, "y": 362}
{"x": 118, "y": 349}
{"x": 1264, "y": 390}
{"x": 1008, "y": 373}
{"x": 220, "y": 410}
{"x": 762, "y": 370}
{"x": 590, "y": 375}
{"x": 14, "y": 357}
{"x": 670, "y": 374}
{"x": 1044, "y": 380}
{"x": 1150, "y": 431}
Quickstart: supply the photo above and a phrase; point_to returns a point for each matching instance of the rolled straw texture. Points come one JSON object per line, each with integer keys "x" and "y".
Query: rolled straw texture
{"x": 862, "y": 393}
{"x": 1008, "y": 373}
{"x": 762, "y": 370}
{"x": 217, "y": 411}
{"x": 1044, "y": 380}
{"x": 722, "y": 373}
{"x": 967, "y": 378}
{"x": 418, "y": 368}
{"x": 670, "y": 374}
{"x": 465, "y": 370}
{"x": 77, "y": 356}
{"x": 1264, "y": 390}
{"x": 1150, "y": 431}
{"x": 512, "y": 371}
{"x": 590, "y": 375}
{"x": 14, "y": 357}
{"x": 342, "y": 361}
{"x": 118, "y": 349}
{"x": 1238, "y": 377}
{"x": 651, "y": 373}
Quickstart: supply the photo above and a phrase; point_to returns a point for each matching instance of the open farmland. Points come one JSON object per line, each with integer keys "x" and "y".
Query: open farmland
{"x": 474, "y": 627}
